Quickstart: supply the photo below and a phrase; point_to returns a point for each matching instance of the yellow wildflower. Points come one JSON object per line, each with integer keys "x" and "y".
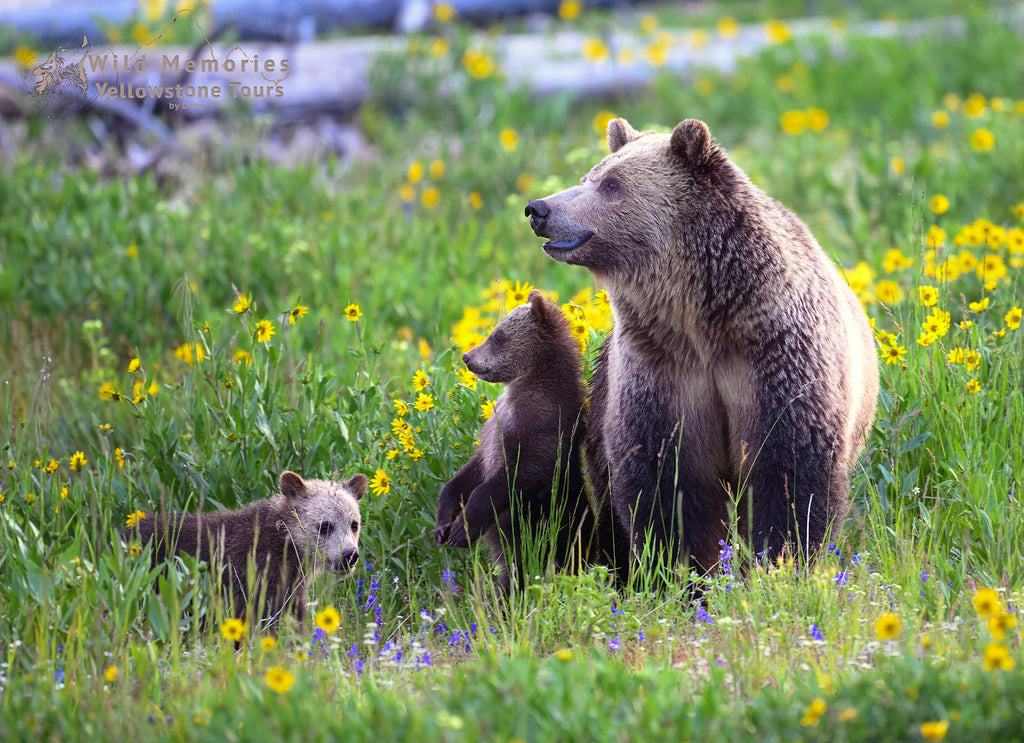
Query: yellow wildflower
{"x": 380, "y": 483}
{"x": 518, "y": 294}
{"x": 279, "y": 679}
{"x": 986, "y": 602}
{"x": 997, "y": 657}
{"x": 264, "y": 331}
{"x": 509, "y": 139}
{"x": 431, "y": 197}
{"x": 982, "y": 140}
{"x": 595, "y": 51}
{"x": 233, "y": 629}
{"x": 569, "y": 10}
{"x": 888, "y": 626}
{"x": 328, "y": 619}
{"x": 728, "y": 27}
{"x": 999, "y": 622}
{"x": 794, "y": 122}
{"x": 479, "y": 65}
{"x": 934, "y": 730}
{"x": 444, "y": 12}
{"x": 777, "y": 32}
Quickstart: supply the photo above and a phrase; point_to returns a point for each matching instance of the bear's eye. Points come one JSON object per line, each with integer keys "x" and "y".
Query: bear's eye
{"x": 498, "y": 338}
{"x": 326, "y": 527}
{"x": 610, "y": 186}
{"x": 355, "y": 527}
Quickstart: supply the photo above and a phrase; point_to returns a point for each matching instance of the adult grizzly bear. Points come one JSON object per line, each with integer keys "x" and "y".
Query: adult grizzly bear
{"x": 288, "y": 537}
{"x": 528, "y": 468}
{"x": 741, "y": 367}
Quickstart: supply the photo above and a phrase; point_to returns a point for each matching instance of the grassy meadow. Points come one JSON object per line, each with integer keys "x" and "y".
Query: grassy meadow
{"x": 175, "y": 343}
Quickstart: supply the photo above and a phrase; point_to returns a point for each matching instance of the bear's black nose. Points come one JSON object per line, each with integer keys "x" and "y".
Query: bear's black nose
{"x": 537, "y": 208}
{"x": 465, "y": 358}
{"x": 538, "y": 212}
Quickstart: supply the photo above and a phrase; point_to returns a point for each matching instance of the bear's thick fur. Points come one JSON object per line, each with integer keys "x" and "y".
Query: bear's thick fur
{"x": 741, "y": 367}
{"x": 528, "y": 466}
{"x": 288, "y": 538}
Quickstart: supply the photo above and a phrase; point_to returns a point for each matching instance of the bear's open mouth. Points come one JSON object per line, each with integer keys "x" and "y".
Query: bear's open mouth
{"x": 570, "y": 244}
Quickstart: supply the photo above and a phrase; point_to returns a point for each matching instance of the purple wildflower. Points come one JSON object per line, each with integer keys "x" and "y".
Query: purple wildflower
{"x": 725, "y": 557}
{"x": 448, "y": 580}
{"x": 703, "y": 616}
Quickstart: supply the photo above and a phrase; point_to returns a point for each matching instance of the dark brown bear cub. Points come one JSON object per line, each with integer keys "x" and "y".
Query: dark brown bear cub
{"x": 528, "y": 466}
{"x": 288, "y": 537}
{"x": 741, "y": 370}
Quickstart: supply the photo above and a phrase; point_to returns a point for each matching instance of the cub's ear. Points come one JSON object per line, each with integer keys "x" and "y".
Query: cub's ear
{"x": 620, "y": 133}
{"x": 291, "y": 485}
{"x": 538, "y": 305}
{"x": 358, "y": 485}
{"x": 691, "y": 142}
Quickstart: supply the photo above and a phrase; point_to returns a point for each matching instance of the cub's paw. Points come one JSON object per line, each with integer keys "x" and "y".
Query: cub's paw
{"x": 441, "y": 534}
{"x": 457, "y": 537}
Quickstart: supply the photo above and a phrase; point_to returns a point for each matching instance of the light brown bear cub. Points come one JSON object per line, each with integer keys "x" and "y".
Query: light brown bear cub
{"x": 528, "y": 467}
{"x": 290, "y": 537}
{"x": 741, "y": 367}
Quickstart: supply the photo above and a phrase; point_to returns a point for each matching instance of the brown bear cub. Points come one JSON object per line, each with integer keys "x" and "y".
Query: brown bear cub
{"x": 528, "y": 469}
{"x": 288, "y": 538}
{"x": 741, "y": 370}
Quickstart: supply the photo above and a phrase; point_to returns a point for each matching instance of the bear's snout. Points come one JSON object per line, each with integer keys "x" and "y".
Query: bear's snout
{"x": 537, "y": 210}
{"x": 349, "y": 559}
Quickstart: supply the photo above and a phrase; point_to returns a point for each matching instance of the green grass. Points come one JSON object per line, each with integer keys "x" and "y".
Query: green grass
{"x": 95, "y": 273}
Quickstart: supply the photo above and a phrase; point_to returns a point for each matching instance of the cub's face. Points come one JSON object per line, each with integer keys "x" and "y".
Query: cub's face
{"x": 628, "y": 206}
{"x": 325, "y": 524}
{"x": 506, "y": 354}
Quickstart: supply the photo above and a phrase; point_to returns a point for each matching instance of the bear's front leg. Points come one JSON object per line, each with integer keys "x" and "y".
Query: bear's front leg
{"x": 798, "y": 478}
{"x": 485, "y": 506}
{"x": 454, "y": 496}
{"x": 800, "y": 491}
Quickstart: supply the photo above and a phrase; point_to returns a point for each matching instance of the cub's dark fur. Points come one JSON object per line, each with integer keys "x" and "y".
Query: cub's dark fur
{"x": 528, "y": 466}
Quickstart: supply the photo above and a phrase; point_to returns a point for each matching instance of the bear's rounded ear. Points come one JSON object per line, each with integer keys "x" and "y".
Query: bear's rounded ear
{"x": 291, "y": 485}
{"x": 538, "y": 307}
{"x": 358, "y": 484}
{"x": 691, "y": 141}
{"x": 620, "y": 133}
